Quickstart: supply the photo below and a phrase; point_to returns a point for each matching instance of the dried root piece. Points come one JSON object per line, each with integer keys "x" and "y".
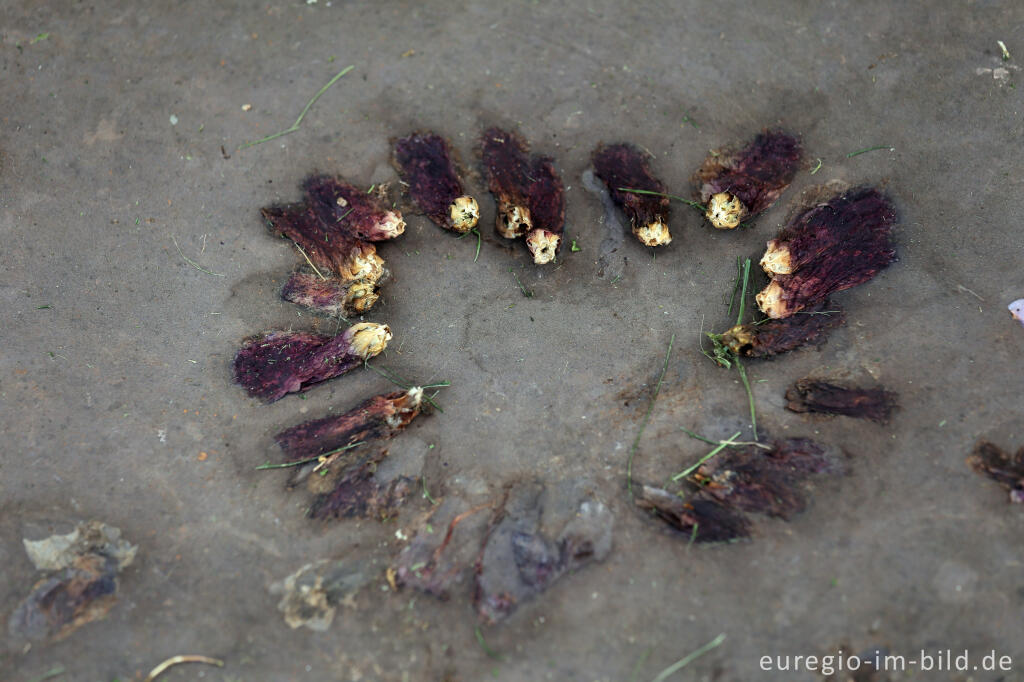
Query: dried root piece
{"x": 546, "y": 196}
{"x": 750, "y": 479}
{"x": 330, "y": 296}
{"x": 328, "y": 248}
{"x": 507, "y": 167}
{"x": 424, "y": 160}
{"x": 1001, "y": 467}
{"x": 381, "y": 417}
{"x": 274, "y": 364}
{"x": 351, "y": 490}
{"x": 82, "y": 586}
{"x": 624, "y": 166}
{"x": 781, "y": 336}
{"x": 346, "y": 208}
{"x": 519, "y": 560}
{"x": 831, "y": 247}
{"x": 807, "y": 395}
{"x": 737, "y": 184}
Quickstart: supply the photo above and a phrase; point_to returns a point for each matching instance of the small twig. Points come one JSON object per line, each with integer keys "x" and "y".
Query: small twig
{"x": 696, "y": 204}
{"x": 479, "y": 240}
{"x": 816, "y": 168}
{"x": 640, "y": 662}
{"x": 869, "y": 149}
{"x": 395, "y": 379}
{"x": 175, "y": 660}
{"x": 426, "y": 493}
{"x": 491, "y": 653}
{"x": 192, "y": 262}
{"x": 298, "y": 121}
{"x": 316, "y": 458}
{"x": 647, "y": 416}
{"x": 55, "y": 671}
{"x": 750, "y": 394}
{"x": 688, "y": 659}
{"x": 961, "y": 287}
{"x": 743, "y": 292}
{"x": 526, "y": 292}
{"x": 303, "y": 252}
{"x": 1002, "y": 46}
{"x": 721, "y": 446}
{"x": 731, "y": 443}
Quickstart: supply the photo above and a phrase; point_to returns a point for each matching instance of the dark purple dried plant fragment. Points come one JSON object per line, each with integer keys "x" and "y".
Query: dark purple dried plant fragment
{"x": 1006, "y": 470}
{"x": 519, "y": 560}
{"x": 808, "y": 395}
{"x": 737, "y": 184}
{"x": 546, "y": 199}
{"x": 379, "y": 418}
{"x": 328, "y": 247}
{"x": 750, "y": 479}
{"x": 346, "y": 208}
{"x": 624, "y": 166}
{"x": 699, "y": 516}
{"x": 330, "y": 295}
{"x": 424, "y": 160}
{"x": 774, "y": 337}
{"x": 357, "y": 493}
{"x": 272, "y": 365}
{"x": 831, "y": 247}
{"x": 506, "y": 164}
{"x": 755, "y": 480}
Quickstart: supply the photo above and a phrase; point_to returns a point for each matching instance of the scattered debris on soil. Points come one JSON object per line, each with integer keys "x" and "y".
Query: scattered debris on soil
{"x": 82, "y": 585}
{"x": 380, "y": 417}
{"x": 822, "y": 397}
{"x": 345, "y": 491}
{"x": 273, "y": 364}
{"x": 425, "y": 163}
{"x": 178, "y": 660}
{"x": 310, "y": 596}
{"x": 826, "y": 248}
{"x": 529, "y": 193}
{"x": 1017, "y": 310}
{"x": 735, "y": 185}
{"x": 1001, "y": 467}
{"x": 330, "y": 296}
{"x": 440, "y": 556}
{"x": 624, "y": 167}
{"x": 752, "y": 478}
{"x": 520, "y": 560}
{"x": 772, "y": 337}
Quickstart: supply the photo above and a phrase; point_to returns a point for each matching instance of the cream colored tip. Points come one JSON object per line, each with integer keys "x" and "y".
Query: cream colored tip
{"x": 415, "y": 396}
{"x": 725, "y": 211}
{"x": 653, "y": 234}
{"x": 513, "y": 221}
{"x": 464, "y": 213}
{"x": 392, "y": 224}
{"x": 361, "y": 297}
{"x": 770, "y": 301}
{"x": 776, "y": 259}
{"x": 366, "y": 265}
{"x": 368, "y": 339}
{"x": 543, "y": 244}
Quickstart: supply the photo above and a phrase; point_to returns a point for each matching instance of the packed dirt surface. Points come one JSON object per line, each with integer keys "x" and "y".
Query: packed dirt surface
{"x": 135, "y": 261}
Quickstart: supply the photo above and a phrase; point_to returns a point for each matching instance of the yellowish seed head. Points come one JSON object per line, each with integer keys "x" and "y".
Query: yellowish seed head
{"x": 368, "y": 339}
{"x": 513, "y": 221}
{"x": 392, "y": 224}
{"x": 543, "y": 244}
{"x": 771, "y": 303}
{"x": 464, "y": 213}
{"x": 364, "y": 264}
{"x": 361, "y": 297}
{"x": 725, "y": 211}
{"x": 776, "y": 259}
{"x": 737, "y": 337}
{"x": 653, "y": 234}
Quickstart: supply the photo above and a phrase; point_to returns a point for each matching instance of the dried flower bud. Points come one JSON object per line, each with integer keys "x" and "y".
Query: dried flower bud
{"x": 1006, "y": 470}
{"x": 274, "y": 364}
{"x": 331, "y": 296}
{"x": 623, "y": 166}
{"x": 507, "y": 166}
{"x": 350, "y": 209}
{"x": 726, "y": 211}
{"x": 424, "y": 160}
{"x": 807, "y": 395}
{"x": 379, "y": 418}
{"x": 837, "y": 245}
{"x": 546, "y": 197}
{"x": 780, "y": 336}
{"x": 327, "y": 247}
{"x": 754, "y": 177}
